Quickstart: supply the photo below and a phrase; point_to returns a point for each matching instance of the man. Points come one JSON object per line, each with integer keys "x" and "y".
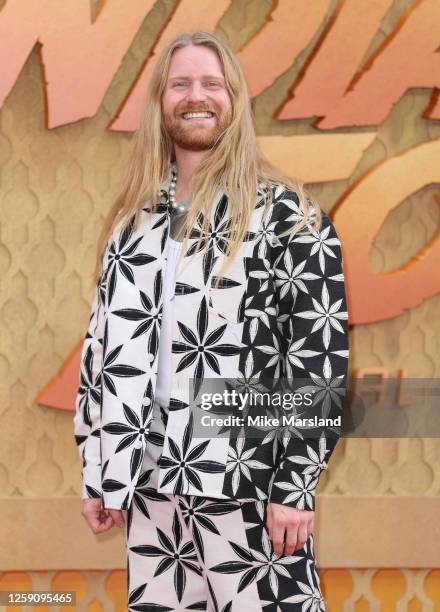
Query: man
{"x": 261, "y": 297}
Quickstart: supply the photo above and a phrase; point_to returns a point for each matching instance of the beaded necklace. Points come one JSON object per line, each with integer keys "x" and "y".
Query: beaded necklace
{"x": 176, "y": 207}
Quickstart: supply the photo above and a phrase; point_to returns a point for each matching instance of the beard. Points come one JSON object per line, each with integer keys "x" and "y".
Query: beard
{"x": 196, "y": 136}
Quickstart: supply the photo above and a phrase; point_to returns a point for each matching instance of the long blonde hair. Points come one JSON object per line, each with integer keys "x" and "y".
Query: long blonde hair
{"x": 235, "y": 164}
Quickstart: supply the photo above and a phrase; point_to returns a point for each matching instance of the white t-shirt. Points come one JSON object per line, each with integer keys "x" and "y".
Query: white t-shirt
{"x": 163, "y": 383}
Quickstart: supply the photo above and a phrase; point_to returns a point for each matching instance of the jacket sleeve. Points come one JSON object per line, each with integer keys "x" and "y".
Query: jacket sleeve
{"x": 87, "y": 419}
{"x": 313, "y": 325}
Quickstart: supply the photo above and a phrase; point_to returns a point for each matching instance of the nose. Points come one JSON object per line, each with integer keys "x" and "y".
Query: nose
{"x": 195, "y": 92}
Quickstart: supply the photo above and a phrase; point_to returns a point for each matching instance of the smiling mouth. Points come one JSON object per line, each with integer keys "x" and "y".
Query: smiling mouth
{"x": 198, "y": 116}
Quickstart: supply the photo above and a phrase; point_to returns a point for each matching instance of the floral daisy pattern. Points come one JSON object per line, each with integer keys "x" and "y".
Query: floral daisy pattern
{"x": 280, "y": 313}
{"x": 313, "y": 325}
{"x": 216, "y": 555}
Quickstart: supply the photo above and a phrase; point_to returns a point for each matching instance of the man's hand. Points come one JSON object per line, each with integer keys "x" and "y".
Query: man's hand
{"x": 297, "y": 525}
{"x": 98, "y": 519}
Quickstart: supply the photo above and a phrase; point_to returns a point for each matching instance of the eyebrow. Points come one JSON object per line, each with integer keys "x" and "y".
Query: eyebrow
{"x": 204, "y": 76}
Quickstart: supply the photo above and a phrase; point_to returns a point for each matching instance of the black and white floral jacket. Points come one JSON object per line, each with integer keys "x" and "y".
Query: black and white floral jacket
{"x": 280, "y": 312}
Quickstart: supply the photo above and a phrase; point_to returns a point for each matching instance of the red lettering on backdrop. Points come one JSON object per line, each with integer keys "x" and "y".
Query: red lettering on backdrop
{"x": 81, "y": 55}
{"x": 332, "y": 65}
{"x": 407, "y": 58}
{"x": 358, "y": 217}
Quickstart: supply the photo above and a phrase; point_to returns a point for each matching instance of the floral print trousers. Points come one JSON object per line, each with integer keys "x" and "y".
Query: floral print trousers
{"x": 187, "y": 552}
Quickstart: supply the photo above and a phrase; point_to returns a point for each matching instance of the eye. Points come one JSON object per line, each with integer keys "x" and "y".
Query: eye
{"x": 179, "y": 84}
{"x": 213, "y": 84}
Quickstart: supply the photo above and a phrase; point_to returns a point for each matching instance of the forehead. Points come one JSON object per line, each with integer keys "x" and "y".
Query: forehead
{"x": 195, "y": 61}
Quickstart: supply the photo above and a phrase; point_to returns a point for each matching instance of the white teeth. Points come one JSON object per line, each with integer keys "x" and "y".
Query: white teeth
{"x": 197, "y": 115}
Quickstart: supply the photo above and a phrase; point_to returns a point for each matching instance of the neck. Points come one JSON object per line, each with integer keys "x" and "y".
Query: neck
{"x": 187, "y": 163}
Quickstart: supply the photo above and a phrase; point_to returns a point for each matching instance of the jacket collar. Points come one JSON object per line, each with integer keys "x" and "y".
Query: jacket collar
{"x": 165, "y": 188}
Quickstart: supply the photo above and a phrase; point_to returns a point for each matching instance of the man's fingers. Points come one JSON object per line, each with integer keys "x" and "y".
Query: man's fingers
{"x": 302, "y": 536}
{"x": 278, "y": 531}
{"x": 117, "y": 517}
{"x": 291, "y": 537}
{"x": 290, "y": 527}
{"x": 100, "y": 519}
{"x": 99, "y": 525}
{"x": 97, "y": 518}
{"x": 106, "y": 524}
